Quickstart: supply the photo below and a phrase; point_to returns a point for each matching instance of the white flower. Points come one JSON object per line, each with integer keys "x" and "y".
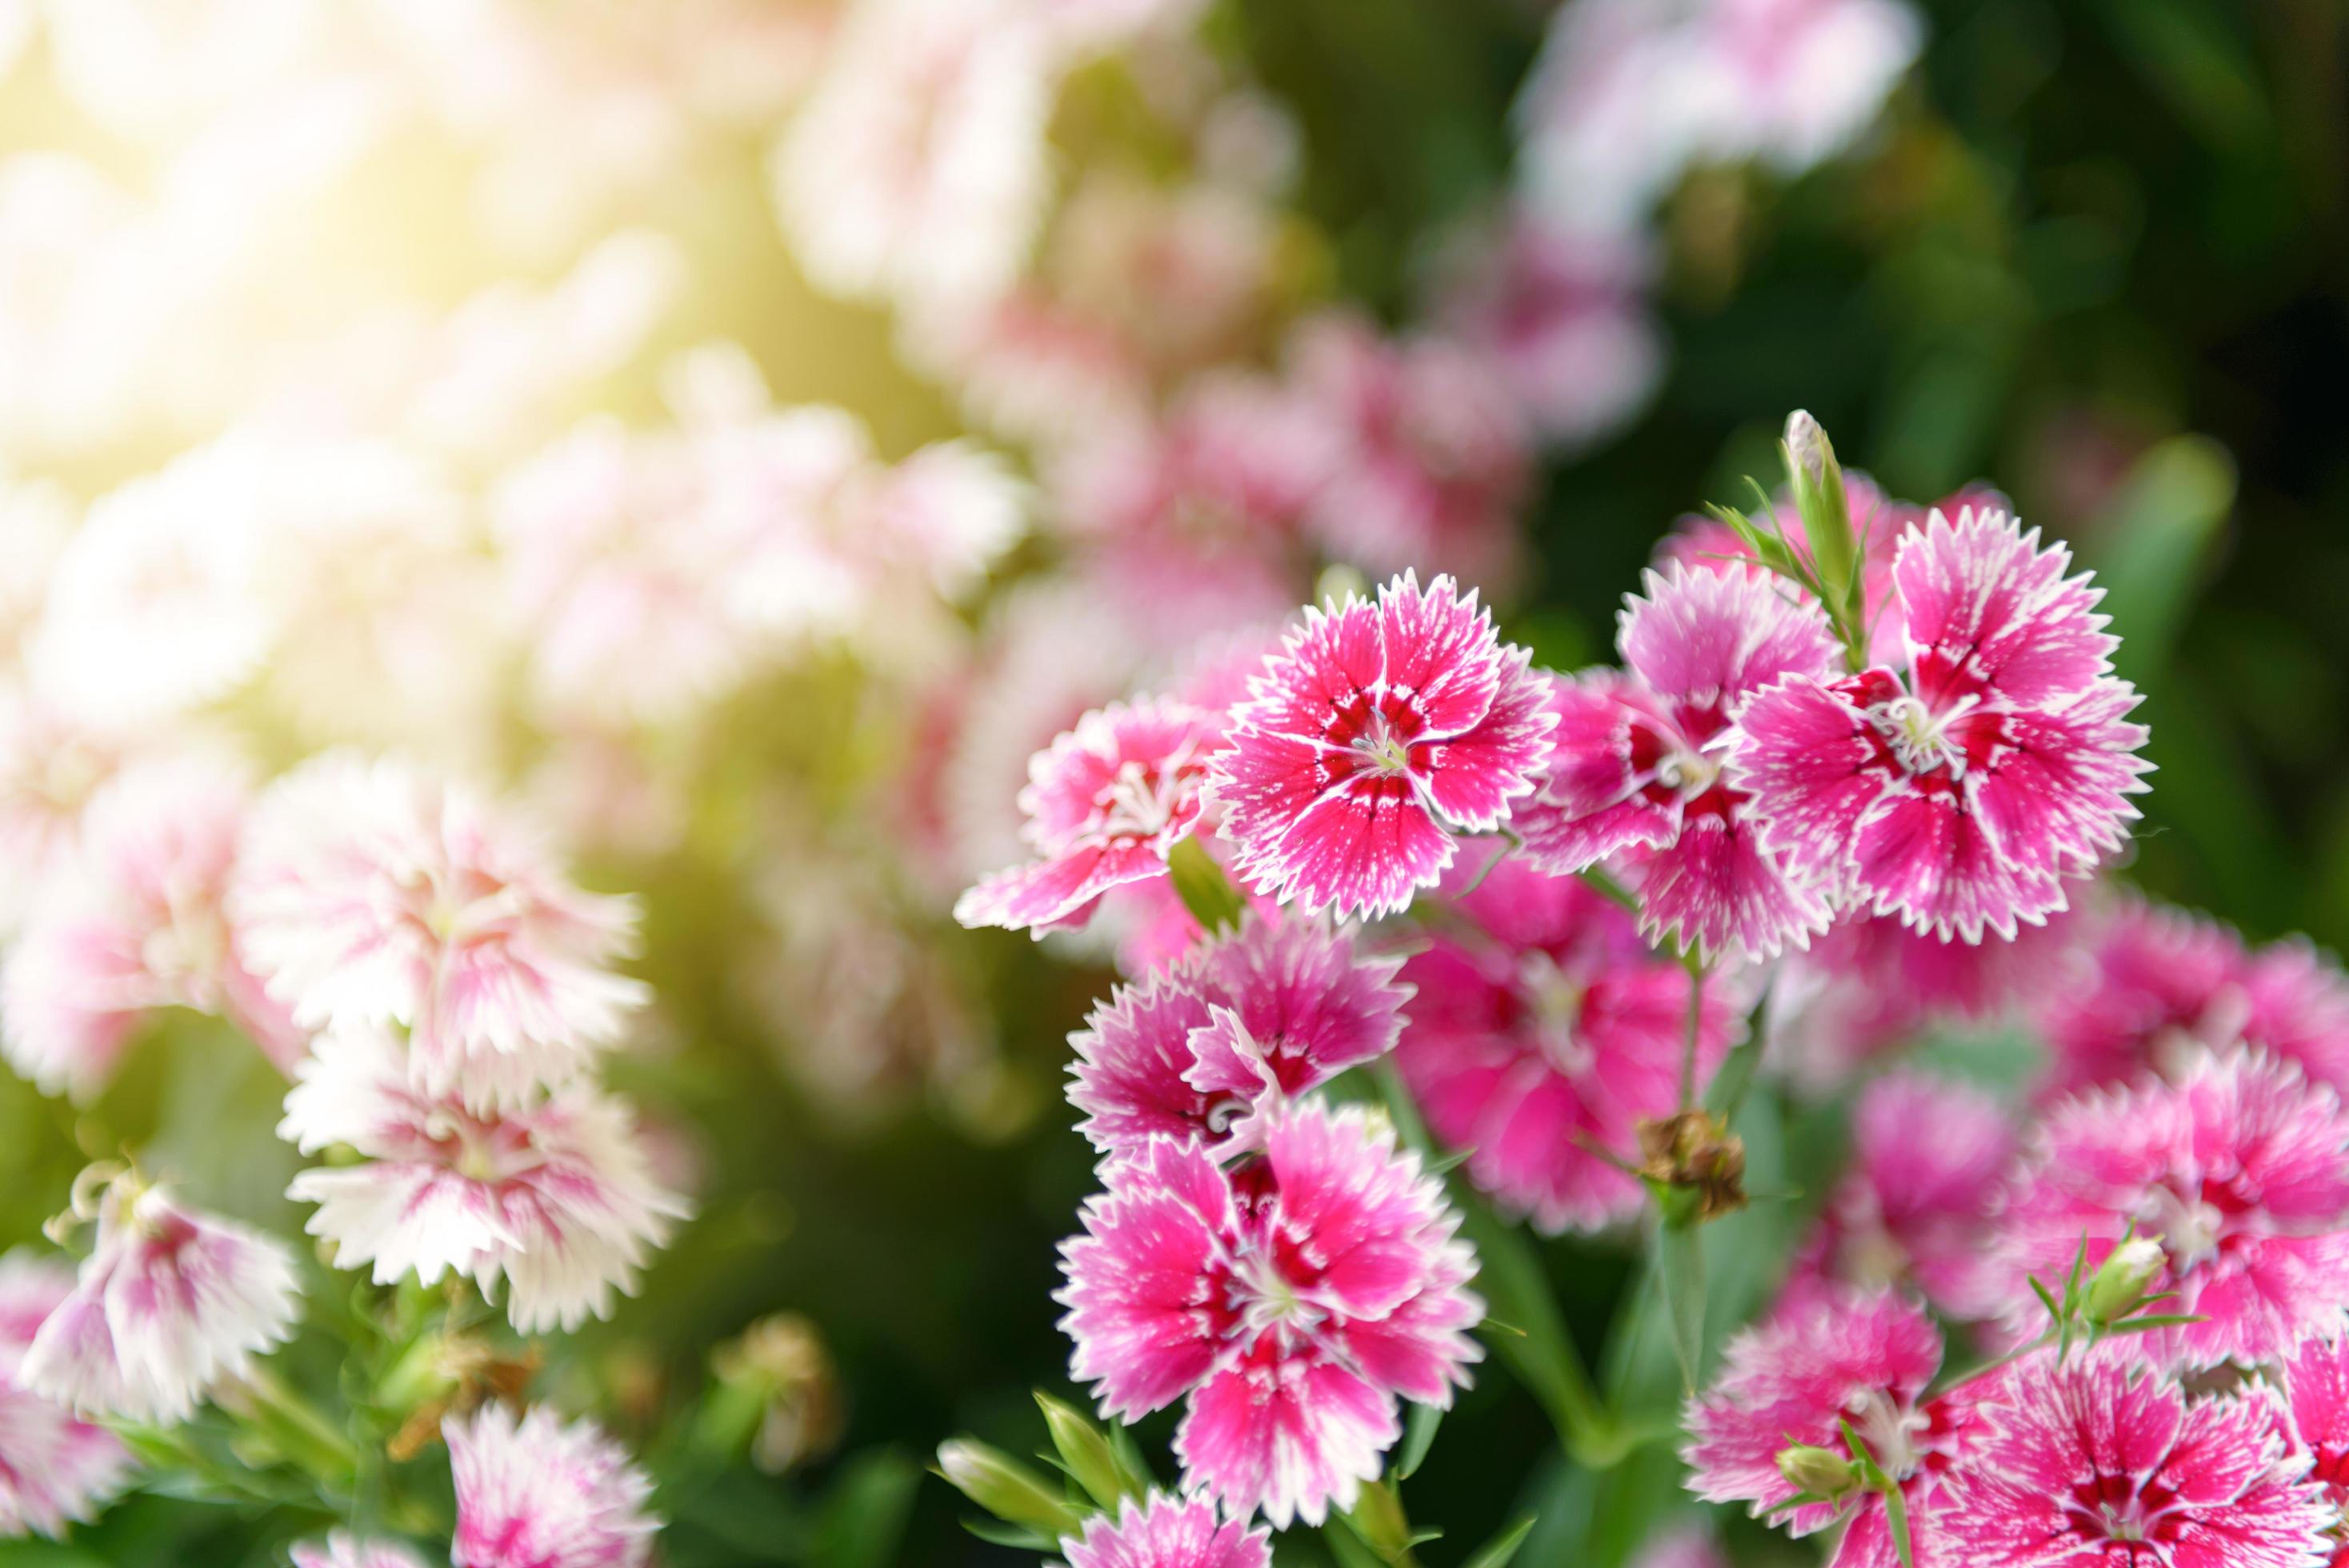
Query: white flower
{"x": 54, "y": 1470}
{"x": 538, "y": 1493}
{"x": 341, "y": 1549}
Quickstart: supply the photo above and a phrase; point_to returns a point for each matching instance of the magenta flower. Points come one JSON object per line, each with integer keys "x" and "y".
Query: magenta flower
{"x": 557, "y": 1197}
{"x": 1961, "y": 794}
{"x": 1638, "y": 769}
{"x": 538, "y": 1493}
{"x": 1288, "y": 1301}
{"x": 2316, "y": 1405}
{"x": 2240, "y": 1170}
{"x": 2099, "y": 1465}
{"x": 169, "y": 1302}
{"x": 1106, "y": 804}
{"x": 372, "y": 892}
{"x": 1379, "y": 731}
{"x": 2161, "y": 986}
{"x": 1915, "y": 1206}
{"x": 1166, "y": 1533}
{"x": 54, "y": 1470}
{"x": 1540, "y": 1038}
{"x": 1236, "y": 1030}
{"x": 341, "y": 1549}
{"x": 1796, "y": 1381}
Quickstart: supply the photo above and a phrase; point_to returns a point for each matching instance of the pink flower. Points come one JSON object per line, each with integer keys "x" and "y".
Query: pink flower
{"x": 1379, "y": 731}
{"x": 1961, "y": 796}
{"x": 1106, "y": 804}
{"x": 375, "y": 892}
{"x": 1842, "y": 1358}
{"x": 1288, "y": 1301}
{"x": 1639, "y": 769}
{"x": 1164, "y": 1532}
{"x": 1689, "y": 1546}
{"x": 169, "y": 1302}
{"x": 539, "y": 1493}
{"x": 1542, "y": 1035}
{"x": 2316, "y": 1405}
{"x": 2098, "y": 1465}
{"x": 1236, "y": 1030}
{"x": 342, "y": 1550}
{"x": 2240, "y": 1170}
{"x": 54, "y": 1470}
{"x": 138, "y": 924}
{"x": 2159, "y": 986}
{"x": 1915, "y": 1204}
{"x": 557, "y": 1197}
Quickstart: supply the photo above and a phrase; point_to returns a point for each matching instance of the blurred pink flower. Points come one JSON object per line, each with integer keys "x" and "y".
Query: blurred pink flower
{"x": 2316, "y": 1382}
{"x": 344, "y": 1550}
{"x": 1167, "y": 1532}
{"x": 539, "y": 1493}
{"x": 54, "y": 1470}
{"x": 557, "y": 1197}
{"x": 1289, "y": 1300}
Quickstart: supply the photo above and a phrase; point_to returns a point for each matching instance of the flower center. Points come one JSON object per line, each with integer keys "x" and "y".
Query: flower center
{"x": 1687, "y": 773}
{"x": 1387, "y": 753}
{"x": 1890, "y": 1431}
{"x": 1141, "y": 802}
{"x": 1920, "y": 739}
{"x": 1266, "y": 1298}
{"x": 1553, "y": 1001}
{"x": 2187, "y": 1228}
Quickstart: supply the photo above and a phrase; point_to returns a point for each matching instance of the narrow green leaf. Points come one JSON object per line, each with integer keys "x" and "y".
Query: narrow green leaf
{"x": 1679, "y": 1270}
{"x": 1418, "y": 1437}
{"x": 1896, "y": 1514}
{"x": 1499, "y": 1551}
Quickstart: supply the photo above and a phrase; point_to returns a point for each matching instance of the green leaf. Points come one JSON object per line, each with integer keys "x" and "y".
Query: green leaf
{"x": 864, "y": 1516}
{"x": 1680, "y": 1270}
{"x": 2160, "y": 529}
{"x": 1203, "y": 888}
{"x": 1418, "y": 1437}
{"x": 1896, "y": 1514}
{"x": 997, "y": 1534}
{"x": 1497, "y": 1552}
{"x": 1347, "y": 1546}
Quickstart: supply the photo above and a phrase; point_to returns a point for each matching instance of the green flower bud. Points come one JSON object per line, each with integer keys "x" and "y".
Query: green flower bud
{"x": 1821, "y": 1472}
{"x": 1089, "y": 1455}
{"x": 2122, "y": 1280}
{"x": 1005, "y": 1488}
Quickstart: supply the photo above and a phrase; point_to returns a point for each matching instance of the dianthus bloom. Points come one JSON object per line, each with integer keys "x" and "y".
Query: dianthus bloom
{"x": 169, "y": 1302}
{"x": 1165, "y": 1532}
{"x": 1637, "y": 770}
{"x": 2316, "y": 1406}
{"x": 1240, "y": 1028}
{"x": 1962, "y": 794}
{"x": 2161, "y": 986}
{"x": 342, "y": 1550}
{"x": 2240, "y": 1170}
{"x": 2099, "y": 1465}
{"x": 1379, "y": 731}
{"x": 555, "y": 1197}
{"x": 54, "y": 1470}
{"x": 1106, "y": 804}
{"x": 1796, "y": 1382}
{"x": 538, "y": 1493}
{"x": 373, "y": 892}
{"x": 1542, "y": 1034}
{"x": 1289, "y": 1300}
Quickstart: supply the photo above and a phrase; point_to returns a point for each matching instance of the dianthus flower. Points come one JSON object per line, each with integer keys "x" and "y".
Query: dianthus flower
{"x": 1288, "y": 1301}
{"x": 1543, "y": 1032}
{"x": 54, "y": 1470}
{"x": 2316, "y": 1411}
{"x": 1795, "y": 1381}
{"x": 169, "y": 1302}
{"x": 374, "y": 893}
{"x": 1961, "y": 794}
{"x": 1106, "y": 804}
{"x": 1238, "y": 1029}
{"x": 2240, "y": 1170}
{"x": 341, "y": 1549}
{"x": 1379, "y": 731}
{"x": 1637, "y": 770}
{"x": 2161, "y": 986}
{"x": 1167, "y": 1532}
{"x": 2096, "y": 1464}
{"x": 539, "y": 1493}
{"x": 556, "y": 1197}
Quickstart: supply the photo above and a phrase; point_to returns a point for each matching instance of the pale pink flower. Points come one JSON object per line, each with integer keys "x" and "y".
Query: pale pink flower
{"x": 917, "y": 168}
{"x": 1689, "y": 1546}
{"x": 1167, "y": 1532}
{"x": 1231, "y": 1034}
{"x": 2316, "y": 1378}
{"x": 1028, "y": 365}
{"x": 1544, "y": 1031}
{"x": 1433, "y": 459}
{"x": 341, "y": 1549}
{"x": 51, "y": 765}
{"x": 1381, "y": 730}
{"x": 1963, "y": 795}
{"x": 1639, "y": 769}
{"x": 2097, "y": 1465}
{"x": 1915, "y": 1207}
{"x": 1288, "y": 1301}
{"x": 946, "y": 515}
{"x": 54, "y": 1470}
{"x": 170, "y": 1303}
{"x": 36, "y": 518}
{"x": 137, "y": 924}
{"x": 1106, "y": 804}
{"x": 539, "y": 1493}
{"x": 557, "y": 1197}
{"x": 2240, "y": 1170}
{"x": 2155, "y": 987}
{"x": 1845, "y": 1356}
{"x": 375, "y": 892}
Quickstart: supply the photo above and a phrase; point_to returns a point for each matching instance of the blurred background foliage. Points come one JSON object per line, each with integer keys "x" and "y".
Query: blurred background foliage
{"x": 2097, "y": 254}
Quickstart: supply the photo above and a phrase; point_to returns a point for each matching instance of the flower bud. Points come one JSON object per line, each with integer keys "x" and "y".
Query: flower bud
{"x": 2121, "y": 1281}
{"x": 1821, "y": 1472}
{"x": 1089, "y": 1455}
{"x": 1005, "y": 1488}
{"x": 1815, "y": 480}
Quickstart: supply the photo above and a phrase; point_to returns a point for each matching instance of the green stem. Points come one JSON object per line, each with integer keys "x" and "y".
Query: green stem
{"x": 1697, "y": 970}
{"x": 1612, "y": 891}
{"x": 300, "y": 1430}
